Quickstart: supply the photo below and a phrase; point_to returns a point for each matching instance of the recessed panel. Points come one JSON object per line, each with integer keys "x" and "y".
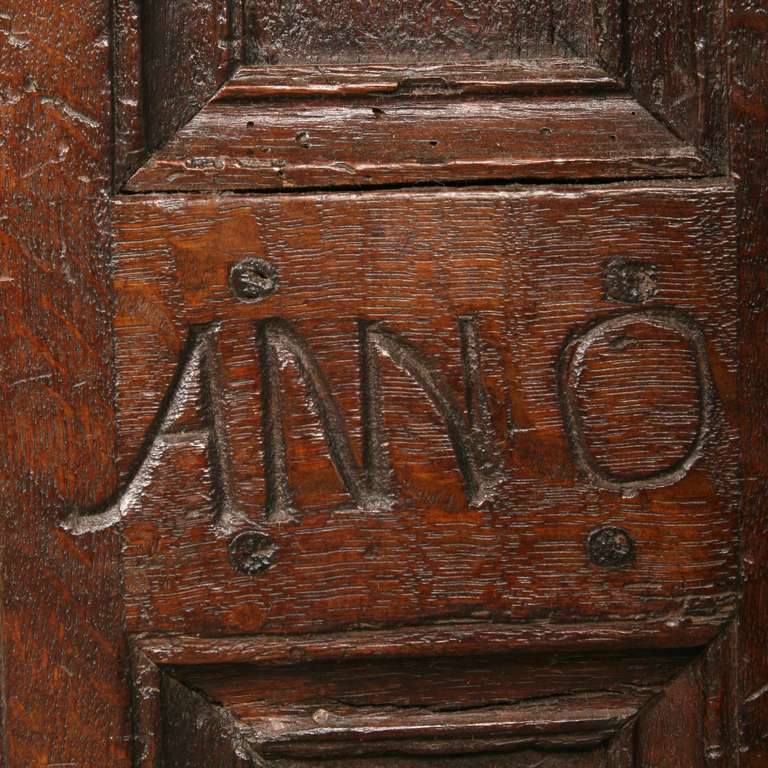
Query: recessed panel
{"x": 340, "y": 31}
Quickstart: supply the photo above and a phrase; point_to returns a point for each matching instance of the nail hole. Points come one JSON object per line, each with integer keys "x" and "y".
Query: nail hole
{"x": 303, "y": 139}
{"x": 630, "y": 280}
{"x": 545, "y": 131}
{"x": 250, "y": 123}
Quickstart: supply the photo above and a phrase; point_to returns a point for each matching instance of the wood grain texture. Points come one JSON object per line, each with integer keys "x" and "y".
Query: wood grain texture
{"x": 454, "y": 639}
{"x": 433, "y": 705}
{"x": 169, "y": 59}
{"x": 291, "y": 713}
{"x": 554, "y": 76}
{"x": 127, "y": 89}
{"x": 428, "y": 708}
{"x": 596, "y": 32}
{"x": 196, "y": 733}
{"x": 677, "y": 68}
{"x": 431, "y": 553}
{"x": 189, "y": 48}
{"x": 398, "y": 140}
{"x": 63, "y": 683}
{"x": 748, "y": 39}
{"x": 434, "y": 684}
{"x": 199, "y": 732}
{"x": 533, "y": 366}
{"x": 693, "y": 721}
{"x": 335, "y": 31}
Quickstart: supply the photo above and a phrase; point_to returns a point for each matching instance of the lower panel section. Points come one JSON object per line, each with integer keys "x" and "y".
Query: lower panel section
{"x": 238, "y": 707}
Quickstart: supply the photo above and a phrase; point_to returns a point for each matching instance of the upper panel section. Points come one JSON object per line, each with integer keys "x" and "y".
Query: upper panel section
{"x": 171, "y": 58}
{"x": 301, "y": 127}
{"x": 344, "y": 32}
{"x": 235, "y": 94}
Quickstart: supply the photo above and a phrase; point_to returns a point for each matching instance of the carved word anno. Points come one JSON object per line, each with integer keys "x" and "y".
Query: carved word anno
{"x": 470, "y": 430}
{"x": 369, "y": 485}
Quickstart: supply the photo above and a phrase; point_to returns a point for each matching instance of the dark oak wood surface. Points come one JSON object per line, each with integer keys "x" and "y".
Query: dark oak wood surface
{"x": 533, "y": 77}
{"x": 467, "y": 476}
{"x": 748, "y": 28}
{"x": 408, "y": 260}
{"x": 677, "y": 68}
{"x": 394, "y": 140}
{"x": 334, "y": 31}
{"x": 168, "y": 58}
{"x": 64, "y": 683}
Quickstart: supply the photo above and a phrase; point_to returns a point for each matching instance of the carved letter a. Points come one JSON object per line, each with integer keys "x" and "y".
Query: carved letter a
{"x": 195, "y": 384}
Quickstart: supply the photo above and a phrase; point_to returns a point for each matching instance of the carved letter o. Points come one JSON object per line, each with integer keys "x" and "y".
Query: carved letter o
{"x": 571, "y": 364}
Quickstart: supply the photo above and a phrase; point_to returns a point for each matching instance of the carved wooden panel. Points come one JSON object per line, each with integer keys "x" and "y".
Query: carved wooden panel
{"x": 446, "y": 475}
{"x": 346, "y": 411}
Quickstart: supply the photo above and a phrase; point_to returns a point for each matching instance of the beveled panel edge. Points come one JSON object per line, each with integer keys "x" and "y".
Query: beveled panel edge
{"x": 456, "y": 639}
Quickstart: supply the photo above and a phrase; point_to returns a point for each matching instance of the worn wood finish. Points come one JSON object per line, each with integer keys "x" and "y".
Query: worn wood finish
{"x": 693, "y": 722}
{"x": 429, "y": 705}
{"x": 334, "y": 696}
{"x": 194, "y": 733}
{"x": 518, "y": 76}
{"x": 64, "y": 691}
{"x": 439, "y": 705}
{"x": 427, "y": 684}
{"x": 592, "y": 658}
{"x": 456, "y": 639}
{"x": 607, "y": 44}
{"x": 434, "y": 549}
{"x": 224, "y": 705}
{"x": 399, "y": 140}
{"x": 202, "y": 730}
{"x": 169, "y": 59}
{"x": 748, "y": 38}
{"x": 352, "y": 515}
{"x": 335, "y": 31}
{"x": 128, "y": 100}
{"x": 188, "y": 48}
{"x": 678, "y": 68}
{"x": 578, "y": 722}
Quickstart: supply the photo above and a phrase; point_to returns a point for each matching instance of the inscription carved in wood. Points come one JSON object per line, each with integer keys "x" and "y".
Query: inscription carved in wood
{"x": 473, "y": 439}
{"x": 355, "y": 410}
{"x": 279, "y": 343}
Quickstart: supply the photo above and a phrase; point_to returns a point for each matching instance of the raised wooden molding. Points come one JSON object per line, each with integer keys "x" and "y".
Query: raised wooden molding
{"x": 194, "y": 113}
{"x": 268, "y": 699}
{"x": 328, "y": 138}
